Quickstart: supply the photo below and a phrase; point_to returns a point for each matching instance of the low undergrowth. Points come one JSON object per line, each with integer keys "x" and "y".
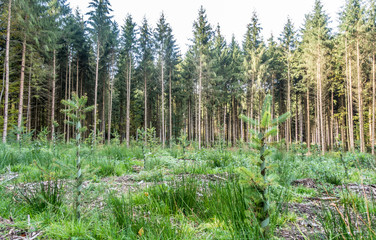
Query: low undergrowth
{"x": 176, "y": 194}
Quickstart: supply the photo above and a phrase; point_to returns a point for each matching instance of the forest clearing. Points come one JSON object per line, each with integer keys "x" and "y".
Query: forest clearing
{"x": 111, "y": 131}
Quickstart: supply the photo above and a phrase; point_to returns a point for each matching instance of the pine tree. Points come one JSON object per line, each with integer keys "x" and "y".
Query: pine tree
{"x": 287, "y": 40}
{"x": 172, "y": 58}
{"x": 202, "y": 35}
{"x": 99, "y": 20}
{"x": 252, "y": 41}
{"x": 161, "y": 41}
{"x": 315, "y": 50}
{"x": 128, "y": 43}
{"x": 145, "y": 54}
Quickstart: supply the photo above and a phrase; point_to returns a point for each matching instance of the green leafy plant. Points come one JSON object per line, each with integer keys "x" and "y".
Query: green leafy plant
{"x": 76, "y": 110}
{"x": 267, "y": 128}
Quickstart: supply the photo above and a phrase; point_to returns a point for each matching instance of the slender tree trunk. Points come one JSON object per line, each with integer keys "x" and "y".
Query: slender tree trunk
{"x": 28, "y": 113}
{"x": 109, "y": 111}
{"x": 296, "y": 116}
{"x": 199, "y": 104}
{"x": 96, "y": 93}
{"x": 360, "y": 99}
{"x": 53, "y": 97}
{"x": 69, "y": 91}
{"x": 349, "y": 99}
{"x": 6, "y": 95}
{"x": 373, "y": 105}
{"x": 103, "y": 128}
{"x": 170, "y": 108}
{"x": 288, "y": 122}
{"x": 162, "y": 98}
{"x": 129, "y": 100}
{"x": 308, "y": 122}
{"x": 145, "y": 107}
{"x": 301, "y": 119}
{"x": 22, "y": 79}
{"x": 320, "y": 104}
{"x": 77, "y": 75}
{"x": 332, "y": 122}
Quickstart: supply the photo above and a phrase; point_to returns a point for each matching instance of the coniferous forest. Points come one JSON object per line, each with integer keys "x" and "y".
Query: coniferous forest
{"x": 110, "y": 131}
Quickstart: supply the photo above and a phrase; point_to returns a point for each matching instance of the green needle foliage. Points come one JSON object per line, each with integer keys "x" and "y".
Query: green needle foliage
{"x": 75, "y": 111}
{"x": 268, "y": 127}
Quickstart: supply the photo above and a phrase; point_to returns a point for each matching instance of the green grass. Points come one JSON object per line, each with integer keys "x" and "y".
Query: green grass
{"x": 202, "y": 196}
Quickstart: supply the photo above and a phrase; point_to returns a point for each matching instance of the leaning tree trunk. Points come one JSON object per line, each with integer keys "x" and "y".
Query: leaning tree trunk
{"x": 6, "y": 94}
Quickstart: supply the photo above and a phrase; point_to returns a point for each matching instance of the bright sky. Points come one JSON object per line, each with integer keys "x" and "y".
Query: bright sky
{"x": 233, "y": 16}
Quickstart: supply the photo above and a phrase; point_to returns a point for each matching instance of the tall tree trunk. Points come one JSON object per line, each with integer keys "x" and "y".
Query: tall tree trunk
{"x": 6, "y": 95}
{"x": 288, "y": 122}
{"x": 22, "y": 79}
{"x": 308, "y": 122}
{"x": 69, "y": 91}
{"x": 349, "y": 99}
{"x": 321, "y": 117}
{"x": 332, "y": 122}
{"x": 145, "y": 107}
{"x": 360, "y": 99}
{"x": 170, "y": 108}
{"x": 199, "y": 104}
{"x": 28, "y": 112}
{"x": 373, "y": 105}
{"x": 103, "y": 128}
{"x": 129, "y": 100}
{"x": 296, "y": 116}
{"x": 53, "y": 97}
{"x": 162, "y": 98}
{"x": 96, "y": 93}
{"x": 77, "y": 75}
{"x": 109, "y": 110}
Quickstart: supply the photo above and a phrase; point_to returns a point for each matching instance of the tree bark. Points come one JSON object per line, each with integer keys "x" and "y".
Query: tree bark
{"x": 145, "y": 107}
{"x": 22, "y": 79}
{"x": 110, "y": 102}
{"x": 28, "y": 112}
{"x": 170, "y": 108}
{"x": 128, "y": 100}
{"x": 199, "y": 104}
{"x": 6, "y": 94}
{"x": 308, "y": 122}
{"x": 53, "y": 97}
{"x": 349, "y": 99}
{"x": 373, "y": 105}
{"x": 288, "y": 122}
{"x": 96, "y": 93}
{"x": 162, "y": 107}
{"x": 360, "y": 99}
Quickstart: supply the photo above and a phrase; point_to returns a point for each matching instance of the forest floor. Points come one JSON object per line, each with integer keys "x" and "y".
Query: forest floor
{"x": 136, "y": 193}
